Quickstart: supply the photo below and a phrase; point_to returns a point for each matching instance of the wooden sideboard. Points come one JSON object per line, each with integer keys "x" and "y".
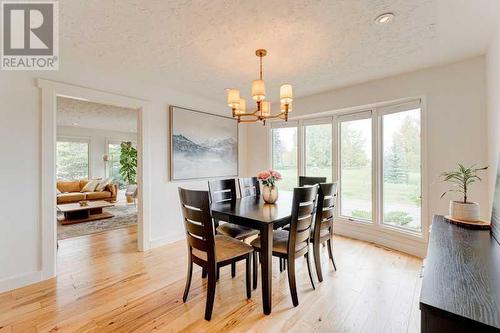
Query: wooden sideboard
{"x": 461, "y": 280}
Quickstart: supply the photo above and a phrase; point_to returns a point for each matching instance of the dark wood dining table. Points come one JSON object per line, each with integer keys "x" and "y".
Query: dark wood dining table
{"x": 254, "y": 213}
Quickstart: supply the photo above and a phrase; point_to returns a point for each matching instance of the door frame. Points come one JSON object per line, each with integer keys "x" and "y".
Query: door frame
{"x": 49, "y": 91}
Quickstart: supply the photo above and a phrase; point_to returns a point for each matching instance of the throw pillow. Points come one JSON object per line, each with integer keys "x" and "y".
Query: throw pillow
{"x": 102, "y": 185}
{"x": 90, "y": 186}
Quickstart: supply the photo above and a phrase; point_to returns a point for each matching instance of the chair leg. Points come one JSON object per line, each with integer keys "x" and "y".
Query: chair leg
{"x": 281, "y": 265}
{"x": 212, "y": 279}
{"x": 291, "y": 280}
{"x": 330, "y": 253}
{"x": 203, "y": 273}
{"x": 317, "y": 261}
{"x": 188, "y": 279}
{"x": 233, "y": 269}
{"x": 255, "y": 269}
{"x": 309, "y": 269}
{"x": 248, "y": 277}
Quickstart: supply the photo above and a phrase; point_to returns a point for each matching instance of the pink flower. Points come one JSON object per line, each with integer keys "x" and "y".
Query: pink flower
{"x": 276, "y": 174}
{"x": 264, "y": 175}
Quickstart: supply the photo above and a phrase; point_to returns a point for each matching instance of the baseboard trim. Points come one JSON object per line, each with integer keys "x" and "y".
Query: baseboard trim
{"x": 20, "y": 280}
{"x": 160, "y": 241}
{"x": 413, "y": 247}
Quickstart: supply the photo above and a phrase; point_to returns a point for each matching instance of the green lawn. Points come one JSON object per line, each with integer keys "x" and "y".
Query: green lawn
{"x": 357, "y": 185}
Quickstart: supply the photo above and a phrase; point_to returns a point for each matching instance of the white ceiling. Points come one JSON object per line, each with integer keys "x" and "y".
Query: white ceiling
{"x": 77, "y": 113}
{"x": 201, "y": 47}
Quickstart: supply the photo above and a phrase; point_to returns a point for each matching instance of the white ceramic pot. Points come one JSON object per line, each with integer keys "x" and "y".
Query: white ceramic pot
{"x": 464, "y": 211}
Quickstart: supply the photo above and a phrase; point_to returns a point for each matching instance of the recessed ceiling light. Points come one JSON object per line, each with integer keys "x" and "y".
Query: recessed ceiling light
{"x": 75, "y": 124}
{"x": 384, "y": 18}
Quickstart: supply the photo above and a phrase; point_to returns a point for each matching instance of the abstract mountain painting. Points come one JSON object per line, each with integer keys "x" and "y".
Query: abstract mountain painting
{"x": 203, "y": 145}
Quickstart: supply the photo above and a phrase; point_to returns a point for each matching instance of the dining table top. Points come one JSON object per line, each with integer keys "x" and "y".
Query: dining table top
{"x": 256, "y": 209}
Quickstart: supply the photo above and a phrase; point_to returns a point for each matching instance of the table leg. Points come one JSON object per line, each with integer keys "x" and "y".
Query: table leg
{"x": 266, "y": 236}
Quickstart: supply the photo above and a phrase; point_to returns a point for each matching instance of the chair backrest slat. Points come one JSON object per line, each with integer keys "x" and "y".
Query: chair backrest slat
{"x": 249, "y": 187}
{"x": 327, "y": 195}
{"x": 222, "y": 190}
{"x": 304, "y": 180}
{"x": 198, "y": 224}
{"x": 304, "y": 199}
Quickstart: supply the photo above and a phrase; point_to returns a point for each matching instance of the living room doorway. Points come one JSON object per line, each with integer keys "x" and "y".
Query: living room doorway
{"x": 94, "y": 174}
{"x": 96, "y": 167}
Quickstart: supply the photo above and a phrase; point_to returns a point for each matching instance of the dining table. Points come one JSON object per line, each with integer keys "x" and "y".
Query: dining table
{"x": 254, "y": 213}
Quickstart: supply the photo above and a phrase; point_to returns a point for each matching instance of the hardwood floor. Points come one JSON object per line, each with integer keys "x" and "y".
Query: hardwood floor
{"x": 104, "y": 285}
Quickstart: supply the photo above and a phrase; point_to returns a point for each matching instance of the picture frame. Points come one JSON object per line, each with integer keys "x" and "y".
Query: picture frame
{"x": 202, "y": 145}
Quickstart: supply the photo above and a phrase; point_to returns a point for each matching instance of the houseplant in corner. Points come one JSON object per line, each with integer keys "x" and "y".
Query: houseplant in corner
{"x": 128, "y": 165}
{"x": 460, "y": 181}
{"x": 269, "y": 188}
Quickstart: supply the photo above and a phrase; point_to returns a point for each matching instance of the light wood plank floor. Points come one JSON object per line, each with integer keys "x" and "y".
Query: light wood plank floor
{"x": 104, "y": 285}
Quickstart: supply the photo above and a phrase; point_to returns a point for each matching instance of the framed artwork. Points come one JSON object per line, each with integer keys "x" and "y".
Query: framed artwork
{"x": 202, "y": 145}
{"x": 495, "y": 211}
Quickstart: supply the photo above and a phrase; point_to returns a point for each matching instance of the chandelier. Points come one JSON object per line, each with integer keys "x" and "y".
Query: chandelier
{"x": 263, "y": 110}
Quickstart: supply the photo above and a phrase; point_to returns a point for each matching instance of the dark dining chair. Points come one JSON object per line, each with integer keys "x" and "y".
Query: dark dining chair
{"x": 304, "y": 180}
{"x": 224, "y": 190}
{"x": 323, "y": 224}
{"x": 206, "y": 249}
{"x": 293, "y": 244}
{"x": 249, "y": 187}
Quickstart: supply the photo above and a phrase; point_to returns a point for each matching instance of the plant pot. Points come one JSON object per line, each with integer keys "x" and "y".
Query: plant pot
{"x": 130, "y": 199}
{"x": 270, "y": 194}
{"x": 464, "y": 211}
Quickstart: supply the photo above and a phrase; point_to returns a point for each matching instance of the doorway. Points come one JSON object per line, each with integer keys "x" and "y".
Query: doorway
{"x": 50, "y": 91}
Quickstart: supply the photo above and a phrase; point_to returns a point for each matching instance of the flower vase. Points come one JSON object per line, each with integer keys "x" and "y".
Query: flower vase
{"x": 270, "y": 194}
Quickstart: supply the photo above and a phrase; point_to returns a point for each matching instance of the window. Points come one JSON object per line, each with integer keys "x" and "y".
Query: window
{"x": 72, "y": 160}
{"x": 375, "y": 156}
{"x": 113, "y": 164}
{"x": 284, "y": 155}
{"x": 401, "y": 188}
{"x": 318, "y": 150}
{"x": 355, "y": 136}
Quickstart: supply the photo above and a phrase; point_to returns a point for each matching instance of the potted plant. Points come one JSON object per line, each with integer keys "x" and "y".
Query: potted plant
{"x": 128, "y": 165}
{"x": 269, "y": 188}
{"x": 461, "y": 179}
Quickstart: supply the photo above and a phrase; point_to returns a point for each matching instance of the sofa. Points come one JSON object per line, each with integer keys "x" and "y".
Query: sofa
{"x": 71, "y": 192}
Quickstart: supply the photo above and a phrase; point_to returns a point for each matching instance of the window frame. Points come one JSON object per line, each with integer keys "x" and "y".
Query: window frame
{"x": 361, "y": 115}
{"x": 78, "y": 139}
{"x": 311, "y": 122}
{"x": 381, "y": 112}
{"x": 288, "y": 124}
{"x": 375, "y": 228}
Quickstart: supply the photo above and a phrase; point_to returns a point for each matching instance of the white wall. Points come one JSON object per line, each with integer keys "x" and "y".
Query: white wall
{"x": 98, "y": 144}
{"x": 493, "y": 93}
{"x": 455, "y": 111}
{"x": 20, "y": 161}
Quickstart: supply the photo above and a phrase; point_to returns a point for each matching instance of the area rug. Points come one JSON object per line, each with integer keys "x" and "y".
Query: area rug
{"x": 124, "y": 216}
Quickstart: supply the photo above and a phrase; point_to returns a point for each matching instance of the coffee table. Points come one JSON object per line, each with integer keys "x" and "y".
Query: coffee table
{"x": 74, "y": 213}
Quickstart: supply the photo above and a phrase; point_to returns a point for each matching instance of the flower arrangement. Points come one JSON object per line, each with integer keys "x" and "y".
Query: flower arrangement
{"x": 269, "y": 177}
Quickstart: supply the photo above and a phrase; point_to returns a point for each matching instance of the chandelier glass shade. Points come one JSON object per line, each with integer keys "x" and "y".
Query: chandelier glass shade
{"x": 263, "y": 106}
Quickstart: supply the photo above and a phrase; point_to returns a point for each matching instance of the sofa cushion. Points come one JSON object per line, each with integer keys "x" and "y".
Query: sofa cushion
{"x": 90, "y": 186}
{"x": 70, "y": 186}
{"x": 102, "y": 185}
{"x": 98, "y": 195}
{"x": 70, "y": 197}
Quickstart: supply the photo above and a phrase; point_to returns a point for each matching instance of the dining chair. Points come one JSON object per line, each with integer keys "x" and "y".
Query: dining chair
{"x": 224, "y": 190}
{"x": 249, "y": 187}
{"x": 206, "y": 249}
{"x": 323, "y": 224}
{"x": 293, "y": 244}
{"x": 304, "y": 180}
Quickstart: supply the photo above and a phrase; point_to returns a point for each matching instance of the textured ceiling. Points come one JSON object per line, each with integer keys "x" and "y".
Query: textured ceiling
{"x": 77, "y": 113}
{"x": 201, "y": 47}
